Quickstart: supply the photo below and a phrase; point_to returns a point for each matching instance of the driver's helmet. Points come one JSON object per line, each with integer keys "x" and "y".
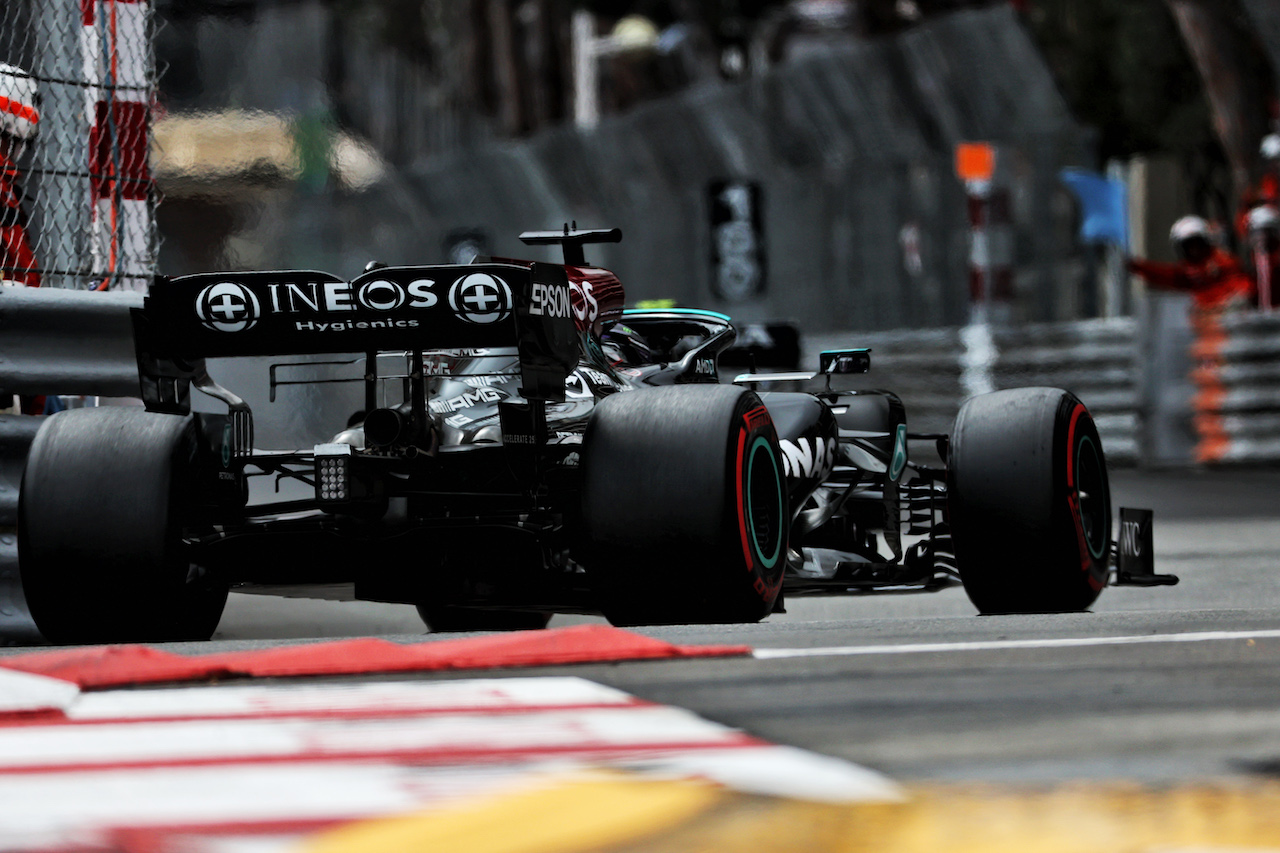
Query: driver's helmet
{"x": 19, "y": 103}
{"x": 624, "y": 345}
{"x": 1191, "y": 236}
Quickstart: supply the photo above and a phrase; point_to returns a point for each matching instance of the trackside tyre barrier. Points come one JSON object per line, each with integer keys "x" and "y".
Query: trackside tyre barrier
{"x": 1237, "y": 379}
{"x": 1206, "y": 374}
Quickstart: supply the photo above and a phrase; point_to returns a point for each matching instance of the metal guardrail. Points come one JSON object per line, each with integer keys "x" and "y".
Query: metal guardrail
{"x": 1093, "y": 359}
{"x": 1235, "y": 373}
{"x": 55, "y": 341}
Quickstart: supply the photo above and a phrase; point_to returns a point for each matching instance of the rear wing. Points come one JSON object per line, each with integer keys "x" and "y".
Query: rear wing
{"x": 218, "y": 315}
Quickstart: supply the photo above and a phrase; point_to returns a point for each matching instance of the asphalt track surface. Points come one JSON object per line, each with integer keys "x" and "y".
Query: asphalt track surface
{"x": 1165, "y": 685}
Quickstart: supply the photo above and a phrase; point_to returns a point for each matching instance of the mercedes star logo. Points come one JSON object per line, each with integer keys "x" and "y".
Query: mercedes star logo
{"x": 228, "y": 307}
{"x": 481, "y": 298}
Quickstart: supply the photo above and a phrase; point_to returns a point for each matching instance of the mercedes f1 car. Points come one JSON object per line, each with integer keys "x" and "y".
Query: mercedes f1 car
{"x": 527, "y": 447}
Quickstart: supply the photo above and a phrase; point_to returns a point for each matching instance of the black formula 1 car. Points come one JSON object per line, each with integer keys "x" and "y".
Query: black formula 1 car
{"x": 526, "y": 448}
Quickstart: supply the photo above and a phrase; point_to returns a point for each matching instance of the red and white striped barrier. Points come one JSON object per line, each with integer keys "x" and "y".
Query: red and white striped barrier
{"x": 117, "y": 65}
{"x": 990, "y": 246}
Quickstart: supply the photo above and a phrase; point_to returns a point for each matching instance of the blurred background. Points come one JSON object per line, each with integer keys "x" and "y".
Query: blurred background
{"x": 325, "y": 133}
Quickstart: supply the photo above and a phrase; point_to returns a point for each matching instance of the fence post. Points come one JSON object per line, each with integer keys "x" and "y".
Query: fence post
{"x": 119, "y": 68}
{"x": 1164, "y": 365}
{"x": 59, "y": 187}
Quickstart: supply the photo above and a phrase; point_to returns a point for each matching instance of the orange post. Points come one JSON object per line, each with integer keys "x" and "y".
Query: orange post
{"x": 975, "y": 161}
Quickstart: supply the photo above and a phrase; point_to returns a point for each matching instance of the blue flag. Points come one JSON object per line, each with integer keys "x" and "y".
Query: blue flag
{"x": 1104, "y": 203}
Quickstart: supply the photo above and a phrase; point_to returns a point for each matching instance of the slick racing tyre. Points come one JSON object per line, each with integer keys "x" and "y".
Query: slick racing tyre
{"x": 103, "y": 500}
{"x": 1029, "y": 503}
{"x": 443, "y": 618}
{"x": 684, "y": 506}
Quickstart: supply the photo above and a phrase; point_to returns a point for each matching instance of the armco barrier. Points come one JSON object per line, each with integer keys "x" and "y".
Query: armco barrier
{"x": 1237, "y": 399}
{"x": 1093, "y": 359}
{"x": 59, "y": 341}
{"x": 935, "y": 370}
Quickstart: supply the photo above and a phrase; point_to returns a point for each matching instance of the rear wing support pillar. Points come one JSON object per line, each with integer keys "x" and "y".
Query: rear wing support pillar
{"x": 547, "y": 341}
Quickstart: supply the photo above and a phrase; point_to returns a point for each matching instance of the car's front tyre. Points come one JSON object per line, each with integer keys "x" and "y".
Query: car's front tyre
{"x": 1029, "y": 503}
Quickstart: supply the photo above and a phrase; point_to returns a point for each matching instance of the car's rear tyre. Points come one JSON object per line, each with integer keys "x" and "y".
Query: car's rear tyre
{"x": 684, "y": 506}
{"x": 103, "y": 500}
{"x": 442, "y": 619}
{"x": 1029, "y": 502}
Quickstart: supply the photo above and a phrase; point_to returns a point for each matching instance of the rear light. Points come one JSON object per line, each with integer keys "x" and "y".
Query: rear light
{"x": 333, "y": 472}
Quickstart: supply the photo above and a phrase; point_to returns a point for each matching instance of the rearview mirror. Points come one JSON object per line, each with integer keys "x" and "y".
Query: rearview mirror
{"x": 844, "y": 361}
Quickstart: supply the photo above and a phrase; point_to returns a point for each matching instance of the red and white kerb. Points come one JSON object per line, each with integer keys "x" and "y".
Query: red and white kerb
{"x": 116, "y": 50}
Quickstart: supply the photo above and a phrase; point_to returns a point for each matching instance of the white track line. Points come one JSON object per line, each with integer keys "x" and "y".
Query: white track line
{"x": 999, "y": 645}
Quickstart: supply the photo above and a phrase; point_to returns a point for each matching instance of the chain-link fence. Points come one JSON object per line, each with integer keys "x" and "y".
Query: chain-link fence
{"x": 75, "y": 113}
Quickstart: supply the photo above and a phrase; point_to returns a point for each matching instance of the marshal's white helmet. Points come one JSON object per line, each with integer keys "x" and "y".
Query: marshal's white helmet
{"x": 19, "y": 102}
{"x": 1270, "y": 149}
{"x": 1264, "y": 217}
{"x": 1190, "y": 227}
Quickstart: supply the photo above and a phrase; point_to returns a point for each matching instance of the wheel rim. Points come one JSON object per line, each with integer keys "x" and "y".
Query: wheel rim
{"x": 764, "y": 503}
{"x": 1092, "y": 497}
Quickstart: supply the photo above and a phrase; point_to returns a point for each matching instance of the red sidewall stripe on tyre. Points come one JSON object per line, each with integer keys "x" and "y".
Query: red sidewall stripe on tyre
{"x": 1077, "y": 518}
{"x": 748, "y": 556}
{"x": 751, "y": 552}
{"x": 1071, "y": 444}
